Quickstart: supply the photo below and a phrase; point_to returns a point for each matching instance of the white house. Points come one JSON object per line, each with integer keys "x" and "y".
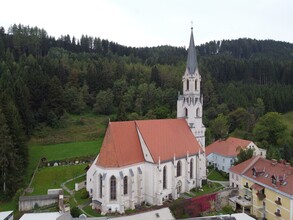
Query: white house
{"x": 151, "y": 161}
{"x": 223, "y": 153}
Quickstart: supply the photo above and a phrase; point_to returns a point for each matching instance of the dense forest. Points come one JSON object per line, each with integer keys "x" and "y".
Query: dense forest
{"x": 43, "y": 78}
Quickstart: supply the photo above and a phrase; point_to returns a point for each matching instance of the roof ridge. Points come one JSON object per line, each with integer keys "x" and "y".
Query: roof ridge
{"x": 113, "y": 140}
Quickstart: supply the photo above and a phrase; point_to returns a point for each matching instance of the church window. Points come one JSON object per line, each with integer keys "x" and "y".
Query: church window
{"x": 178, "y": 168}
{"x": 195, "y": 84}
{"x": 101, "y": 185}
{"x": 187, "y": 84}
{"x": 113, "y": 188}
{"x": 164, "y": 177}
{"x": 186, "y": 112}
{"x": 197, "y": 112}
{"x": 125, "y": 185}
{"x": 191, "y": 168}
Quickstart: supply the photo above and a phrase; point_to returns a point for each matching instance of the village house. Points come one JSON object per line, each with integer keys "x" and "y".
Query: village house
{"x": 265, "y": 188}
{"x": 223, "y": 153}
{"x": 152, "y": 161}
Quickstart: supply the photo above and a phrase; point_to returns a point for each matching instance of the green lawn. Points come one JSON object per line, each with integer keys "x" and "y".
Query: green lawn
{"x": 215, "y": 175}
{"x": 51, "y": 177}
{"x": 73, "y": 128}
{"x": 61, "y": 152}
{"x": 288, "y": 120}
{"x": 71, "y": 185}
{"x": 208, "y": 188}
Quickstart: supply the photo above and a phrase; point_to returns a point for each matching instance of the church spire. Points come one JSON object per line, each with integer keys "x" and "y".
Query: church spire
{"x": 191, "y": 57}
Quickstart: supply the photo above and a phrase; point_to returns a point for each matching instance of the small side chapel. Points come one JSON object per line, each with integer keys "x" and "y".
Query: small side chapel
{"x": 152, "y": 161}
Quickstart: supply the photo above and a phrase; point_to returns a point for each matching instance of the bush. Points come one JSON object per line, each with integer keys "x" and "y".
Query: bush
{"x": 84, "y": 194}
{"x": 75, "y": 212}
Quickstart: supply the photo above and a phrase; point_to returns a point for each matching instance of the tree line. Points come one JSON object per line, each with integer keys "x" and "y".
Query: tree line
{"x": 43, "y": 78}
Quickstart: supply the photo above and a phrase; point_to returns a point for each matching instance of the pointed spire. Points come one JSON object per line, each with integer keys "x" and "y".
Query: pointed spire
{"x": 191, "y": 57}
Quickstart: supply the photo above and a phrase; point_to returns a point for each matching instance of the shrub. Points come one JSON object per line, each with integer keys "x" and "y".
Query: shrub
{"x": 75, "y": 212}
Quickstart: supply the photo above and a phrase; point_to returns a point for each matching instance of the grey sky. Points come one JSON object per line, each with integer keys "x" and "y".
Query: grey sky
{"x": 155, "y": 22}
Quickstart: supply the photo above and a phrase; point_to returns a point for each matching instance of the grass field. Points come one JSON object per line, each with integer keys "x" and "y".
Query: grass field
{"x": 215, "y": 175}
{"x": 288, "y": 120}
{"x": 73, "y": 128}
{"x": 61, "y": 152}
{"x": 208, "y": 188}
{"x": 71, "y": 185}
{"x": 51, "y": 177}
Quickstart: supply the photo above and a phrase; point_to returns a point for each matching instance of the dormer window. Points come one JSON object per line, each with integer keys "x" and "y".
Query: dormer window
{"x": 274, "y": 180}
{"x": 253, "y": 171}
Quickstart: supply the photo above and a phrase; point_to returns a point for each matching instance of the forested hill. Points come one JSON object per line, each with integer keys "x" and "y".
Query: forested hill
{"x": 43, "y": 78}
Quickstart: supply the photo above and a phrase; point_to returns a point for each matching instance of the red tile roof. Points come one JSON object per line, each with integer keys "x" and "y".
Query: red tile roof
{"x": 164, "y": 139}
{"x": 168, "y": 137}
{"x": 281, "y": 171}
{"x": 239, "y": 168}
{"x": 229, "y": 147}
{"x": 121, "y": 146}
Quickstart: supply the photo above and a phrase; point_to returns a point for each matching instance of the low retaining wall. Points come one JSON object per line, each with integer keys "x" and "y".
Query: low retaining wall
{"x": 27, "y": 203}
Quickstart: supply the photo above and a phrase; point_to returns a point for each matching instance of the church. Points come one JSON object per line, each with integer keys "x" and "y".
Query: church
{"x": 152, "y": 161}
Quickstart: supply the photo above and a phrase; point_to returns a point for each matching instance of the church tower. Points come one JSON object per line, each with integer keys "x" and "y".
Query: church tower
{"x": 190, "y": 103}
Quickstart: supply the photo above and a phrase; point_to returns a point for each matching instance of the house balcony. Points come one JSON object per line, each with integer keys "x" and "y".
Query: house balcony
{"x": 261, "y": 196}
{"x": 278, "y": 202}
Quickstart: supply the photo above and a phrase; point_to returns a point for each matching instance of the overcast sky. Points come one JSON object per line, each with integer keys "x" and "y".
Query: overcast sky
{"x": 155, "y": 22}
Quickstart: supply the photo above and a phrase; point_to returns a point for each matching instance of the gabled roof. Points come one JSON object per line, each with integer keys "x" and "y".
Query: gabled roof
{"x": 168, "y": 138}
{"x": 191, "y": 57}
{"x": 164, "y": 138}
{"x": 121, "y": 145}
{"x": 282, "y": 172}
{"x": 229, "y": 147}
{"x": 239, "y": 168}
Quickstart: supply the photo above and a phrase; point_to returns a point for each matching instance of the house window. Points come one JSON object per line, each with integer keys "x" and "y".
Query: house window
{"x": 278, "y": 201}
{"x": 191, "y": 168}
{"x": 278, "y": 213}
{"x": 113, "y": 188}
{"x": 178, "y": 168}
{"x": 101, "y": 186}
{"x": 164, "y": 177}
{"x": 125, "y": 185}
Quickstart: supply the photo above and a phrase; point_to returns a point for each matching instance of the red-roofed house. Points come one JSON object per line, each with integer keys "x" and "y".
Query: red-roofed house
{"x": 266, "y": 188}
{"x": 151, "y": 161}
{"x": 223, "y": 153}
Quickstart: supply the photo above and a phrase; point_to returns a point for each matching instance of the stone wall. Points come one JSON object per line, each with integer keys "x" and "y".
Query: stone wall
{"x": 27, "y": 203}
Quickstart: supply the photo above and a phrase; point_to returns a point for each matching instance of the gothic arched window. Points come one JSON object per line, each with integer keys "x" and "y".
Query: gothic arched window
{"x": 164, "y": 177}
{"x": 113, "y": 188}
{"x": 191, "y": 168}
{"x": 195, "y": 84}
{"x": 125, "y": 185}
{"x": 197, "y": 112}
{"x": 178, "y": 168}
{"x": 186, "y": 112}
{"x": 101, "y": 185}
{"x": 187, "y": 84}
